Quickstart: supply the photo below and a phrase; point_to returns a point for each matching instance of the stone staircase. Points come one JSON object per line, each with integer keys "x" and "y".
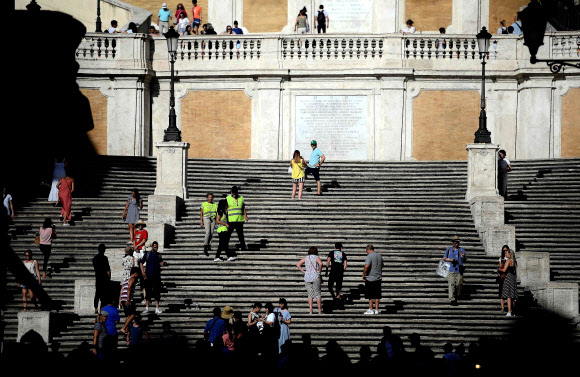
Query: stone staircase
{"x": 544, "y": 206}
{"x": 408, "y": 211}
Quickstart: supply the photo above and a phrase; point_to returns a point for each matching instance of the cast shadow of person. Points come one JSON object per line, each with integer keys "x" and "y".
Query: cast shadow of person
{"x": 50, "y": 116}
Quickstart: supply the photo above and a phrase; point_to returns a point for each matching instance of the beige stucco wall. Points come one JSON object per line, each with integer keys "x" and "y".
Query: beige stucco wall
{"x": 98, "y": 135}
{"x": 429, "y": 15}
{"x": 443, "y": 122}
{"x": 217, "y": 124}
{"x": 503, "y": 10}
{"x": 571, "y": 123}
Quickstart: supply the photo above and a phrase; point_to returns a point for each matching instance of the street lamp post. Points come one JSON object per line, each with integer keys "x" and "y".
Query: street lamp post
{"x": 98, "y": 28}
{"x": 172, "y": 133}
{"x": 482, "y": 135}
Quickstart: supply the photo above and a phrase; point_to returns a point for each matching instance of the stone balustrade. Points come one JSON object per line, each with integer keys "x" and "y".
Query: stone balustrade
{"x": 323, "y": 51}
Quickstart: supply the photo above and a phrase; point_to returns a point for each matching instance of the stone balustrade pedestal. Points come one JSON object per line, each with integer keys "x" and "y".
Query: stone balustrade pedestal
{"x": 38, "y": 322}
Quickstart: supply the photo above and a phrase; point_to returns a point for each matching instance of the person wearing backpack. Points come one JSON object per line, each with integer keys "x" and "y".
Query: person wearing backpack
{"x": 321, "y": 21}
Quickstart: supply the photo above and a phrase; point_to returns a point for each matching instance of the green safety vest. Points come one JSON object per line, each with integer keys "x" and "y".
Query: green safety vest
{"x": 223, "y": 228}
{"x": 209, "y": 210}
{"x": 235, "y": 210}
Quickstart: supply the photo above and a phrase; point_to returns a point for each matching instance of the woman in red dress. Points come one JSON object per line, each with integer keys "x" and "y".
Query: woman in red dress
{"x": 65, "y": 187}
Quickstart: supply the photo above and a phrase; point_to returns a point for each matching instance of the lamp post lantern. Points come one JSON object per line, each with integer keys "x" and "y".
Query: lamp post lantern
{"x": 482, "y": 135}
{"x": 534, "y": 19}
{"x": 172, "y": 133}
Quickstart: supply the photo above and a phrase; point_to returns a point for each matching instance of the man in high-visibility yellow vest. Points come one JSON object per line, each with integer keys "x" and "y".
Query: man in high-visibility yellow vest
{"x": 207, "y": 217}
{"x": 237, "y": 215}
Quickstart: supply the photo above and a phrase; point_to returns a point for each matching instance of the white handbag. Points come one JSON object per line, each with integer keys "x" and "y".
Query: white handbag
{"x": 443, "y": 268}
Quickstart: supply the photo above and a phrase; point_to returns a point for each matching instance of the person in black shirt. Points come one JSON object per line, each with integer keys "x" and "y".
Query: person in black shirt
{"x": 102, "y": 276}
{"x": 338, "y": 260}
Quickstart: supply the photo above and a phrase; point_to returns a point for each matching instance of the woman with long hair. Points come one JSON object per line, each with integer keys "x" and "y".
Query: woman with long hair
{"x": 509, "y": 290}
{"x": 131, "y": 213}
{"x": 47, "y": 233}
{"x": 66, "y": 186}
{"x": 501, "y": 275}
{"x": 298, "y": 165}
{"x": 312, "y": 278}
{"x": 32, "y": 267}
{"x": 223, "y": 233}
{"x": 285, "y": 320}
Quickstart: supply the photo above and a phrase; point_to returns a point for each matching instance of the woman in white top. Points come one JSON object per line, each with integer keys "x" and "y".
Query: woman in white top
{"x": 409, "y": 29}
{"x": 502, "y": 29}
{"x": 32, "y": 267}
{"x": 182, "y": 23}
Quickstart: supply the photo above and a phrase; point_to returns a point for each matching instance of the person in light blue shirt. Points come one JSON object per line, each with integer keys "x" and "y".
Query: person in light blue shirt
{"x": 517, "y": 25}
{"x": 163, "y": 19}
{"x": 314, "y": 164}
{"x": 455, "y": 255}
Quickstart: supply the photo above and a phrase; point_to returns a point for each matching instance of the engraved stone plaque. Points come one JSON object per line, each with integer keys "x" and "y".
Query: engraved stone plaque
{"x": 348, "y": 16}
{"x": 337, "y": 123}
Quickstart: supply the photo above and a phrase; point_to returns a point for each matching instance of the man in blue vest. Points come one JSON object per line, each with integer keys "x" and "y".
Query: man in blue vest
{"x": 237, "y": 215}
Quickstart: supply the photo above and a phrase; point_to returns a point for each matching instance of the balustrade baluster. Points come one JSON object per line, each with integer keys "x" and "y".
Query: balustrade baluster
{"x": 422, "y": 47}
{"x": 258, "y": 48}
{"x": 366, "y": 48}
{"x": 336, "y": 48}
{"x": 195, "y": 49}
{"x": 429, "y": 47}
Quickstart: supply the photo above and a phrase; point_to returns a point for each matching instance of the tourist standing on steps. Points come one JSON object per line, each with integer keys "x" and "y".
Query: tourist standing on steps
{"x": 100, "y": 332}
{"x": 66, "y": 186}
{"x": 214, "y": 328}
{"x": 111, "y": 323}
{"x": 254, "y": 328}
{"x": 372, "y": 276}
{"x": 207, "y": 218}
{"x": 47, "y": 233}
{"x": 337, "y": 260}
{"x": 301, "y": 25}
{"x": 455, "y": 255}
{"x": 409, "y": 28}
{"x": 141, "y": 235}
{"x": 312, "y": 278}
{"x": 131, "y": 212}
{"x": 314, "y": 164}
{"x": 237, "y": 215}
{"x": 501, "y": 275}
{"x": 151, "y": 269}
{"x": 285, "y": 320}
{"x": 163, "y": 19}
{"x": 504, "y": 166}
{"x": 509, "y": 290}
{"x": 102, "y": 276}
{"x": 223, "y": 233}
{"x": 32, "y": 267}
{"x": 321, "y": 22}
{"x": 298, "y": 165}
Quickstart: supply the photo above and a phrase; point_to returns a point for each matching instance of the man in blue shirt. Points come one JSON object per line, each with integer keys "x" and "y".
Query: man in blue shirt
{"x": 215, "y": 327}
{"x": 455, "y": 255}
{"x": 517, "y": 25}
{"x": 236, "y": 29}
{"x": 151, "y": 264}
{"x": 163, "y": 19}
{"x": 314, "y": 164}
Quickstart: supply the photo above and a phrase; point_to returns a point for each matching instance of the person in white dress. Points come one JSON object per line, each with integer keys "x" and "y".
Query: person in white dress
{"x": 58, "y": 173}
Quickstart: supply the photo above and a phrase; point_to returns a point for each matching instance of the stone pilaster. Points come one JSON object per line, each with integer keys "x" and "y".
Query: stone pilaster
{"x": 172, "y": 169}
{"x": 533, "y": 268}
{"x": 84, "y": 296}
{"x": 38, "y": 322}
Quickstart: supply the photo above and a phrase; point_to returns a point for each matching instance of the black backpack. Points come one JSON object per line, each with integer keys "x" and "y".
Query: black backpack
{"x": 320, "y": 18}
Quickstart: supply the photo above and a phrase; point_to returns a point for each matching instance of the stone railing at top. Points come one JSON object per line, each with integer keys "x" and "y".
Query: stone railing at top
{"x": 564, "y": 45}
{"x": 443, "y": 46}
{"x": 217, "y": 48}
{"x": 109, "y": 51}
{"x": 326, "y": 47}
{"x": 256, "y": 52}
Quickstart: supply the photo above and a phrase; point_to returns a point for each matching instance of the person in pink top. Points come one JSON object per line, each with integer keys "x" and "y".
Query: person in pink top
{"x": 66, "y": 187}
{"x": 180, "y": 9}
{"x": 46, "y": 234}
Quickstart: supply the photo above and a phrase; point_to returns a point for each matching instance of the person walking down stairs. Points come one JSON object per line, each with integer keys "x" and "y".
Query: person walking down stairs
{"x": 237, "y": 215}
{"x": 455, "y": 255}
{"x": 207, "y": 218}
{"x": 151, "y": 269}
{"x": 223, "y": 233}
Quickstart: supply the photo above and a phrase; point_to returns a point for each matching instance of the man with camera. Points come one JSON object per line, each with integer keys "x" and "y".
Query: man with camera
{"x": 455, "y": 255}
